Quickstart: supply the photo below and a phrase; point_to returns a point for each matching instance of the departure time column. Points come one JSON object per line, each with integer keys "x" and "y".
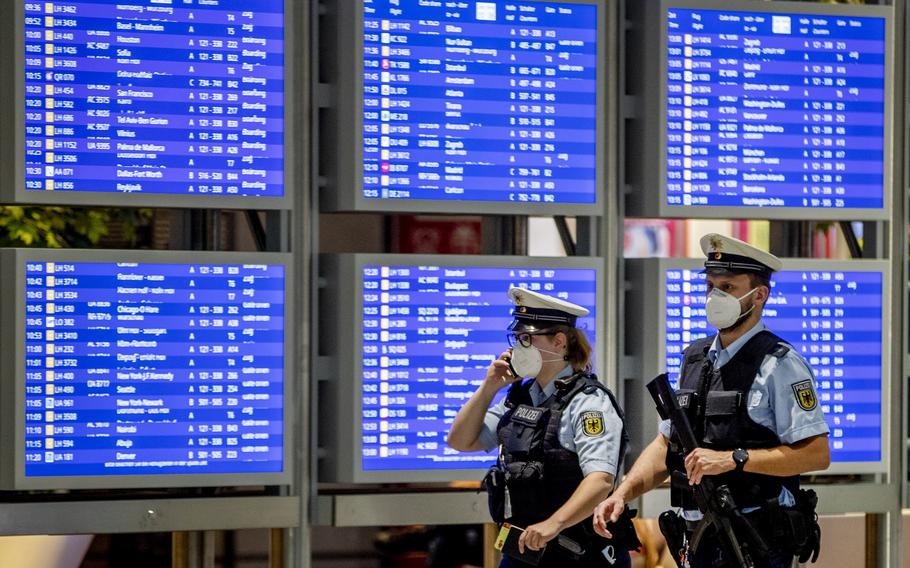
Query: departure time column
{"x": 387, "y": 69}
{"x": 52, "y": 390}
{"x": 50, "y": 63}
{"x": 684, "y": 315}
{"x": 693, "y": 72}
{"x": 39, "y": 379}
{"x": 386, "y": 363}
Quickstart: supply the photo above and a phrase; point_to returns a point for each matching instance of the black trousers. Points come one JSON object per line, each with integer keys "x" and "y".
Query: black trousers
{"x": 712, "y": 554}
{"x": 713, "y": 551}
{"x": 552, "y": 558}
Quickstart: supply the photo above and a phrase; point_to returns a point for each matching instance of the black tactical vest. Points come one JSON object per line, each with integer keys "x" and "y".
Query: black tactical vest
{"x": 720, "y": 417}
{"x": 541, "y": 475}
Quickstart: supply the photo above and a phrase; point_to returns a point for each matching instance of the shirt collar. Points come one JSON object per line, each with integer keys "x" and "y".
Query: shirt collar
{"x": 721, "y": 356}
{"x": 548, "y": 391}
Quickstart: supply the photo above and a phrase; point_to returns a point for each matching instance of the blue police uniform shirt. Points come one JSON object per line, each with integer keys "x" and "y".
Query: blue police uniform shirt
{"x": 772, "y": 402}
{"x": 599, "y": 452}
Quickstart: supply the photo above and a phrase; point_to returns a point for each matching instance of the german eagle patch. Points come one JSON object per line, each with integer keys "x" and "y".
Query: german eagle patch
{"x": 805, "y": 394}
{"x": 592, "y": 423}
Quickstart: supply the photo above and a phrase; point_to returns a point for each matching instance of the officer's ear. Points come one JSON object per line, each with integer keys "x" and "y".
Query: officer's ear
{"x": 560, "y": 340}
{"x": 761, "y": 295}
{"x": 762, "y": 289}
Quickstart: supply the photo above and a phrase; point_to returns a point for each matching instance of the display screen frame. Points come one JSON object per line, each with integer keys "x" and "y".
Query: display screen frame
{"x": 652, "y": 312}
{"x": 12, "y": 388}
{"x": 344, "y": 279}
{"x": 12, "y": 140}
{"x": 345, "y": 181}
{"x": 653, "y": 201}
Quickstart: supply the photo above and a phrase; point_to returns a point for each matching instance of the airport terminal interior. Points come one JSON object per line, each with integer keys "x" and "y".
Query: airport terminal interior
{"x": 255, "y": 257}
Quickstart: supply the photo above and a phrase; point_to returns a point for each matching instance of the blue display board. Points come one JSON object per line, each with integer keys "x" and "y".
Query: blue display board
{"x": 153, "y": 369}
{"x": 834, "y": 320}
{"x": 772, "y": 109}
{"x": 183, "y": 99}
{"x": 480, "y": 101}
{"x": 429, "y": 333}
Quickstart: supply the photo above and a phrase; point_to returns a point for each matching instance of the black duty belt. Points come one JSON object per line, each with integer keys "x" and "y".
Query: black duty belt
{"x": 756, "y": 517}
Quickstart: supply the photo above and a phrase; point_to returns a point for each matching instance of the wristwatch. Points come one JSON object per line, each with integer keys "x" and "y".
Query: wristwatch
{"x": 740, "y": 457}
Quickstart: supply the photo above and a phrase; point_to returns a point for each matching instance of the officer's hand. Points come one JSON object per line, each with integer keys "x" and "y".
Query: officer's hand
{"x": 536, "y": 536}
{"x": 608, "y": 511}
{"x": 702, "y": 462}
{"x": 499, "y": 374}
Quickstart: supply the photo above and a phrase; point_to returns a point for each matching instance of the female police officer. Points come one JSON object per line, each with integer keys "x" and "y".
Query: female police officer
{"x": 560, "y": 435}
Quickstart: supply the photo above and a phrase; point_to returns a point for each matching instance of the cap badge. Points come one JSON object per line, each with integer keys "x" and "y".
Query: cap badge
{"x": 718, "y": 255}
{"x": 717, "y": 244}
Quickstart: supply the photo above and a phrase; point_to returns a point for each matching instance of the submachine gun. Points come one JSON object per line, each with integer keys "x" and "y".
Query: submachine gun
{"x": 714, "y": 501}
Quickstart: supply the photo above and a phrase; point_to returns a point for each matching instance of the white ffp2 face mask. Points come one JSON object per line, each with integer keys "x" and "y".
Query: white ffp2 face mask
{"x": 724, "y": 310}
{"x": 527, "y": 361}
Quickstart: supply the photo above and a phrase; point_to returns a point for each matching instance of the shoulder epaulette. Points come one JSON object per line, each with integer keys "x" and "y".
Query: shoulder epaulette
{"x": 781, "y": 351}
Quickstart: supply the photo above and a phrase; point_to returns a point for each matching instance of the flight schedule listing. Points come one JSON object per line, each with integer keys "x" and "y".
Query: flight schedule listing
{"x": 429, "y": 334}
{"x": 775, "y": 110}
{"x": 833, "y": 319}
{"x": 153, "y": 368}
{"x": 152, "y": 97}
{"x": 480, "y": 101}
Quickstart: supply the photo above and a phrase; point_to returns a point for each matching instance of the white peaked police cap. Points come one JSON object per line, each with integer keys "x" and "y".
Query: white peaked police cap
{"x": 535, "y": 311}
{"x": 729, "y": 255}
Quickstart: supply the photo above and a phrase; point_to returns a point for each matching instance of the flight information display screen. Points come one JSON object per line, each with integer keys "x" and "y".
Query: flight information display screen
{"x": 833, "y": 319}
{"x": 480, "y": 101}
{"x": 775, "y": 110}
{"x": 153, "y": 368}
{"x": 155, "y": 97}
{"x": 429, "y": 333}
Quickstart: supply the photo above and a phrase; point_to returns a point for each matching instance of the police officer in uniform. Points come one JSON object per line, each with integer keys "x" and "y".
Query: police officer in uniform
{"x": 751, "y": 400}
{"x": 560, "y": 436}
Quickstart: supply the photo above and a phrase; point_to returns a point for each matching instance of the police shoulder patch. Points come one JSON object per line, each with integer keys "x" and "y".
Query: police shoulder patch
{"x": 805, "y": 394}
{"x": 592, "y": 423}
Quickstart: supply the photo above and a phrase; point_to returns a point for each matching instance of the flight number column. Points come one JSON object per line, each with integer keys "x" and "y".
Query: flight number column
{"x": 52, "y": 416}
{"x": 387, "y": 66}
{"x": 50, "y": 61}
{"x": 386, "y": 364}
{"x": 684, "y": 315}
{"x": 691, "y": 71}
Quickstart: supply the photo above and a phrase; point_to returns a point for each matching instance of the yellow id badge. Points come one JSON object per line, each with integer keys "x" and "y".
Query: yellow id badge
{"x": 501, "y": 539}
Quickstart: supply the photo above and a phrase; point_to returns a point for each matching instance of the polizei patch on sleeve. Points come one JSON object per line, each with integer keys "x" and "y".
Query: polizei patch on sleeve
{"x": 805, "y": 394}
{"x": 592, "y": 423}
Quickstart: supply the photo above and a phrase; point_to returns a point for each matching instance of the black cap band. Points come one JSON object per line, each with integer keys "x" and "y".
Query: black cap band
{"x": 540, "y": 317}
{"x": 737, "y": 264}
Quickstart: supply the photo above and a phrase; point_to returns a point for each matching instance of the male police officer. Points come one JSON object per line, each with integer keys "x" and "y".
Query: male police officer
{"x": 751, "y": 400}
{"x": 560, "y": 436}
